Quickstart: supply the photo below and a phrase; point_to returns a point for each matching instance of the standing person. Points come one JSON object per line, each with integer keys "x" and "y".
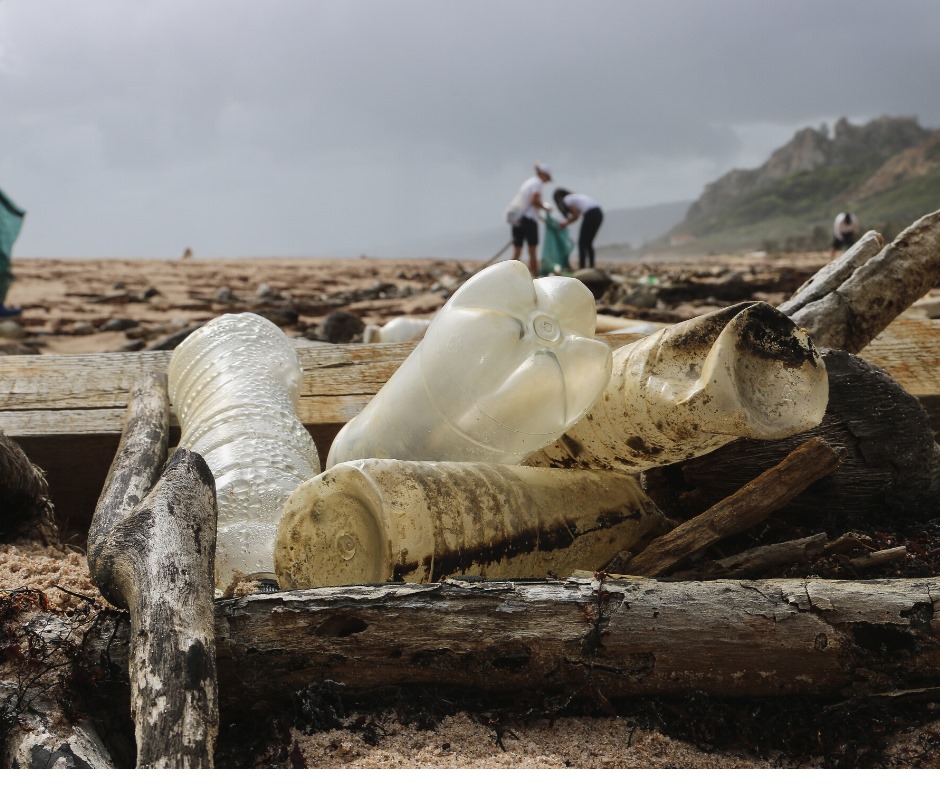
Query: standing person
{"x": 11, "y": 218}
{"x": 522, "y": 214}
{"x": 580, "y": 206}
{"x": 844, "y": 232}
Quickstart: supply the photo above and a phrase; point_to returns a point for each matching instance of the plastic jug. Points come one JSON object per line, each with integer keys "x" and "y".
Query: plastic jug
{"x": 505, "y": 367}
{"x": 372, "y": 521}
{"x": 234, "y": 384}
{"x": 746, "y": 371}
{"x": 398, "y": 329}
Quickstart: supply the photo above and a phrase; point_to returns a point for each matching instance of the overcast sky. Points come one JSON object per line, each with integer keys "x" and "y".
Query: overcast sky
{"x": 322, "y": 127}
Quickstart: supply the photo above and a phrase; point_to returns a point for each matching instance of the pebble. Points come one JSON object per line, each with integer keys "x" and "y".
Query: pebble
{"x": 280, "y": 317}
{"x": 82, "y": 328}
{"x": 17, "y": 349}
{"x": 118, "y": 324}
{"x": 10, "y": 329}
{"x": 339, "y": 327}
{"x": 595, "y": 279}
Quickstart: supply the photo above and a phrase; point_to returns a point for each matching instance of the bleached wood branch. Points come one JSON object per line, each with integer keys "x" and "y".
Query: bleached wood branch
{"x": 152, "y": 551}
{"x": 857, "y": 309}
{"x": 830, "y": 277}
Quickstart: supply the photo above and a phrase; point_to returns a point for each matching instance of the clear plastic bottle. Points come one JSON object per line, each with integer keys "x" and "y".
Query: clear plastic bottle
{"x": 745, "y": 371}
{"x": 235, "y": 384}
{"x": 505, "y": 367}
{"x": 372, "y": 521}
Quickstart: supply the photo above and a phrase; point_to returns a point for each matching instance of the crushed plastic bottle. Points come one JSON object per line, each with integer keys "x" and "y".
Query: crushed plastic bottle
{"x": 745, "y": 371}
{"x": 235, "y": 384}
{"x": 505, "y": 367}
{"x": 372, "y": 521}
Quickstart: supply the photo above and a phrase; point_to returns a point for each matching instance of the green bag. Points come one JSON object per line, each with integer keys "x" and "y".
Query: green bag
{"x": 556, "y": 249}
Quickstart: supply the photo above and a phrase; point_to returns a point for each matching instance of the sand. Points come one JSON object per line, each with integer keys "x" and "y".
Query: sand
{"x": 68, "y": 303}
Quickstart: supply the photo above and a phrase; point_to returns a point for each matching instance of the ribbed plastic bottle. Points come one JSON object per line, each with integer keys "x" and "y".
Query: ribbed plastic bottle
{"x": 371, "y": 521}
{"x": 505, "y": 367}
{"x": 235, "y": 384}
{"x": 745, "y": 371}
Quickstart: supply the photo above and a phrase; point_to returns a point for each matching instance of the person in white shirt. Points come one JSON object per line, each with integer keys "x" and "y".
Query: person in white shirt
{"x": 525, "y": 226}
{"x": 580, "y": 206}
{"x": 844, "y": 232}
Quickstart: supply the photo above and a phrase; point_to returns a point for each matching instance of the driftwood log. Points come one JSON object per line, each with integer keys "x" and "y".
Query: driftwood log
{"x": 151, "y": 550}
{"x": 25, "y": 505}
{"x": 809, "y": 462}
{"x": 890, "y": 467}
{"x": 619, "y": 638}
{"x": 830, "y": 277}
{"x": 43, "y": 738}
{"x": 761, "y": 561}
{"x": 858, "y": 308}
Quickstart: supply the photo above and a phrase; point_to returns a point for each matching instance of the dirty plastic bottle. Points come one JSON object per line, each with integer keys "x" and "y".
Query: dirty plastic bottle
{"x": 398, "y": 329}
{"x": 235, "y": 384}
{"x": 505, "y": 367}
{"x": 743, "y": 371}
{"x": 371, "y": 521}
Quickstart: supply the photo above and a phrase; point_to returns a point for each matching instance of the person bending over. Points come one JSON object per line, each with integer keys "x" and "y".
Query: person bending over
{"x": 580, "y": 206}
{"x": 844, "y": 233}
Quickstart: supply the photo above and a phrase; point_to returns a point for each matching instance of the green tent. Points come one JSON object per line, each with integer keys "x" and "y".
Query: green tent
{"x": 11, "y": 219}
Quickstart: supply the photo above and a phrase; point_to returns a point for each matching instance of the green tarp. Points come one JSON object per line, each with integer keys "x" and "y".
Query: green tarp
{"x": 11, "y": 219}
{"x": 556, "y": 249}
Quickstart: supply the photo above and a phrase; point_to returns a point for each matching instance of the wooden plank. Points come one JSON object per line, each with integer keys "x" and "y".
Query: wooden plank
{"x": 338, "y": 380}
{"x": 103, "y": 380}
{"x": 80, "y": 381}
{"x": 909, "y": 351}
{"x": 67, "y": 411}
{"x": 37, "y": 422}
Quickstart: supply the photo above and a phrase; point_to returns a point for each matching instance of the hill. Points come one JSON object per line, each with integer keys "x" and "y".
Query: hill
{"x": 886, "y": 171}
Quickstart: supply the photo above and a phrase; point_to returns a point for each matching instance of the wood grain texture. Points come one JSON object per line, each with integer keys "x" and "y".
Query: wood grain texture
{"x": 622, "y": 638}
{"x": 59, "y": 408}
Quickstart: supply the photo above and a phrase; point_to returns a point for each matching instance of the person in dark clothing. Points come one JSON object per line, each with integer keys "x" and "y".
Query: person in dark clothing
{"x": 844, "y": 232}
{"x": 580, "y": 206}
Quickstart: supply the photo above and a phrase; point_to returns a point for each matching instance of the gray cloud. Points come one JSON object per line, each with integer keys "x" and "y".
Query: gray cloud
{"x": 344, "y": 126}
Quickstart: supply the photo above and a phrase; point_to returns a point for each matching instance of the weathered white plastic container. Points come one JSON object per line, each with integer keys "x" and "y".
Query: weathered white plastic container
{"x": 746, "y": 371}
{"x": 234, "y": 384}
{"x": 372, "y": 521}
{"x": 398, "y": 329}
{"x": 505, "y": 367}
